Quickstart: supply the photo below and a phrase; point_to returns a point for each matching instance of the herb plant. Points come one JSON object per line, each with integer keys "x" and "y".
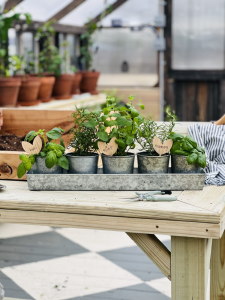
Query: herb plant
{"x": 5, "y": 24}
{"x": 122, "y": 124}
{"x": 149, "y": 129}
{"x": 52, "y": 152}
{"x": 84, "y": 138}
{"x": 187, "y": 146}
{"x": 49, "y": 57}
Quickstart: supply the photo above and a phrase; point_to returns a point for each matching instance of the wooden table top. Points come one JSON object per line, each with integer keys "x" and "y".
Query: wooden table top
{"x": 197, "y": 208}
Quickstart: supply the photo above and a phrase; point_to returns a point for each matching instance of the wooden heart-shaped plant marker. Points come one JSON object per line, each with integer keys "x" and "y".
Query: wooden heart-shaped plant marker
{"x": 162, "y": 148}
{"x": 108, "y": 149}
{"x": 35, "y": 148}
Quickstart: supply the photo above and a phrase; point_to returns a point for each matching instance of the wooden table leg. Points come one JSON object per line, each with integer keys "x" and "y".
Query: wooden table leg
{"x": 190, "y": 261}
{"x": 217, "y": 270}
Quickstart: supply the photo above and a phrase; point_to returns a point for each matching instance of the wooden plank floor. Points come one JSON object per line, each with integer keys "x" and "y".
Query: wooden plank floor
{"x": 76, "y": 264}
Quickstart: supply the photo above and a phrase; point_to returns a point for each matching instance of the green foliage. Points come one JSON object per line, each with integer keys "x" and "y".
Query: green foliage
{"x": 49, "y": 58}
{"x": 5, "y": 24}
{"x": 85, "y": 50}
{"x": 84, "y": 133}
{"x": 52, "y": 152}
{"x": 187, "y": 146}
{"x": 149, "y": 129}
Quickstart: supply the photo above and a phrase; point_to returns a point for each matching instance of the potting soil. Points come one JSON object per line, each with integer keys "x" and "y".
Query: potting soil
{"x": 11, "y": 142}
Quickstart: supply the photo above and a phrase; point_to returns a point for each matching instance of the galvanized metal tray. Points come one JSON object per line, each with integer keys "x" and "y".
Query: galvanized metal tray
{"x": 115, "y": 182}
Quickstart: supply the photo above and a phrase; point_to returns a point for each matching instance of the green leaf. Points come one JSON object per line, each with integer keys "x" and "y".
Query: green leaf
{"x": 131, "y": 97}
{"x": 120, "y": 143}
{"x": 42, "y": 154}
{"x": 51, "y": 159}
{"x": 91, "y": 123}
{"x": 63, "y": 162}
{"x": 202, "y": 160}
{"x": 122, "y": 121}
{"x": 191, "y": 141}
{"x": 86, "y": 112}
{"x": 97, "y": 112}
{"x": 62, "y": 142}
{"x": 109, "y": 123}
{"x": 103, "y": 136}
{"x": 23, "y": 157}
{"x": 28, "y": 165}
{"x": 142, "y": 106}
{"x": 134, "y": 113}
{"x": 187, "y": 146}
{"x": 129, "y": 140}
{"x": 181, "y": 152}
{"x": 192, "y": 158}
{"x": 176, "y": 137}
{"x": 106, "y": 111}
{"x": 53, "y": 134}
{"x": 200, "y": 149}
{"x": 176, "y": 146}
{"x": 21, "y": 170}
{"x": 32, "y": 158}
{"x": 30, "y": 136}
{"x": 115, "y": 115}
{"x": 123, "y": 108}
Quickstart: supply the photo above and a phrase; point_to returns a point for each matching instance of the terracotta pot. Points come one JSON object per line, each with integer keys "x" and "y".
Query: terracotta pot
{"x": 45, "y": 91}
{"x": 63, "y": 86}
{"x": 76, "y": 83}
{"x": 28, "y": 94}
{"x": 9, "y": 90}
{"x": 89, "y": 82}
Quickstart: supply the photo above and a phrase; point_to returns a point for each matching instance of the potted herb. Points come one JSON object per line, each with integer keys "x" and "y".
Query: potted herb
{"x": 187, "y": 156}
{"x": 89, "y": 78}
{"x": 50, "y": 160}
{"x": 122, "y": 126}
{"x": 84, "y": 159}
{"x": 9, "y": 86}
{"x": 149, "y": 160}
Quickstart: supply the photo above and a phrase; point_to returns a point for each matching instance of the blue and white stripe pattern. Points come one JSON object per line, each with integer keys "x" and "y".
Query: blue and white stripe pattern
{"x": 212, "y": 138}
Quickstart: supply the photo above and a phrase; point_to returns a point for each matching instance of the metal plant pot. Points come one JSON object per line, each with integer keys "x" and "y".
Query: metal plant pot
{"x": 40, "y": 168}
{"x": 118, "y": 164}
{"x": 148, "y": 164}
{"x": 180, "y": 165}
{"x": 82, "y": 164}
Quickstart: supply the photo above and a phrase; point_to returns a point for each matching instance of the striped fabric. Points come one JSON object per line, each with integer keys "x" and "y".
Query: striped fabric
{"x": 212, "y": 138}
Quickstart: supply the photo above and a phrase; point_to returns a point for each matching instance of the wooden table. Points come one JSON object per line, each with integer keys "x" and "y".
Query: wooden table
{"x": 195, "y": 221}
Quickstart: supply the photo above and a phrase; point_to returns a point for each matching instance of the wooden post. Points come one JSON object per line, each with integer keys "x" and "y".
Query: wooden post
{"x": 217, "y": 274}
{"x": 190, "y": 259}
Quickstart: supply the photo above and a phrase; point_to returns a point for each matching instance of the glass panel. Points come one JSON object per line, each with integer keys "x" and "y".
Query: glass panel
{"x": 120, "y": 50}
{"x": 26, "y": 42}
{"x": 12, "y": 41}
{"x": 198, "y": 34}
{"x": 41, "y": 10}
{"x": 72, "y": 49}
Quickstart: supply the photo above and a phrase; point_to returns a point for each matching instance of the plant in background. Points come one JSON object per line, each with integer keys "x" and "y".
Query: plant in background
{"x": 149, "y": 129}
{"x": 49, "y": 57}
{"x": 52, "y": 152}
{"x": 85, "y": 50}
{"x": 122, "y": 124}
{"x": 5, "y": 24}
{"x": 187, "y": 146}
{"x": 84, "y": 138}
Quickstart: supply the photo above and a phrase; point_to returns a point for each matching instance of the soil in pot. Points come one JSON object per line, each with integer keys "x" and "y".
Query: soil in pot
{"x": 46, "y": 88}
{"x": 11, "y": 142}
{"x": 63, "y": 86}
{"x": 152, "y": 164}
{"x": 179, "y": 164}
{"x": 118, "y": 164}
{"x": 89, "y": 82}
{"x": 76, "y": 83}
{"x": 28, "y": 94}
{"x": 83, "y": 164}
{"x": 9, "y": 90}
